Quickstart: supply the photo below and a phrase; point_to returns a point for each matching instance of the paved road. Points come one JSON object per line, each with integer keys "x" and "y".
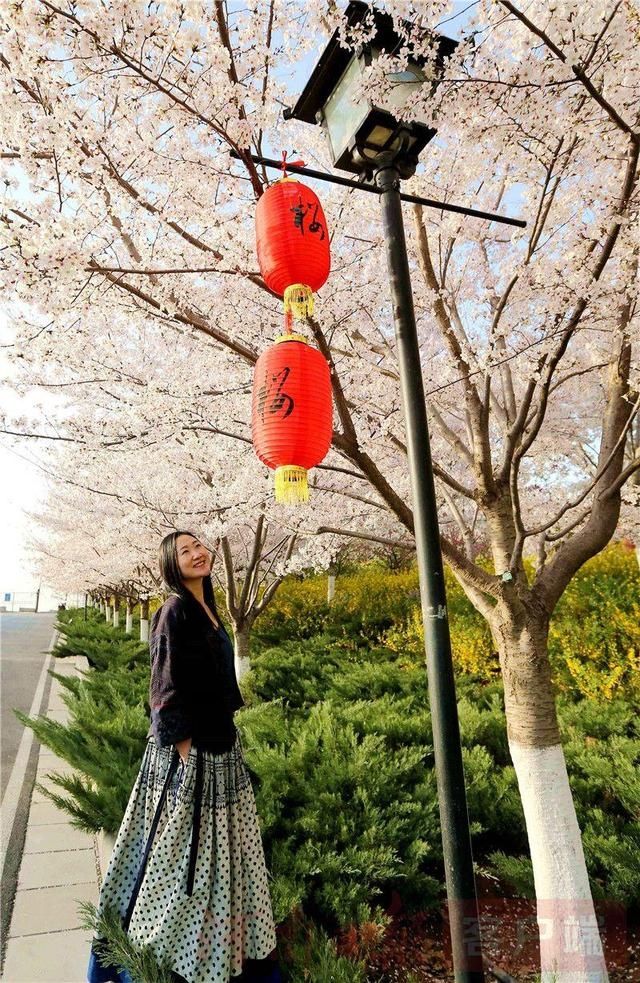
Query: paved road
{"x": 24, "y": 644}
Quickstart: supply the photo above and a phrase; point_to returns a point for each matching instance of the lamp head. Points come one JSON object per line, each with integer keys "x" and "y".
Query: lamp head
{"x": 357, "y": 129}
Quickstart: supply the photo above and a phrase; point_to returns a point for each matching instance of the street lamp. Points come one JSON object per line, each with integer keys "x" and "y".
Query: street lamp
{"x": 373, "y": 142}
{"x": 357, "y": 128}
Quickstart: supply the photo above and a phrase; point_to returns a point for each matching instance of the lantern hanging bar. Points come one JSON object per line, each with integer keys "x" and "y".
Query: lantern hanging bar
{"x": 374, "y": 190}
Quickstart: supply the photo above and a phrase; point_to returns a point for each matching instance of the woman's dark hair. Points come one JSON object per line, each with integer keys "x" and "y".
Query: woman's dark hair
{"x": 170, "y": 570}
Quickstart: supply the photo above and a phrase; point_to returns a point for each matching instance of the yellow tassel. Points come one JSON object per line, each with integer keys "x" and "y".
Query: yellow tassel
{"x": 298, "y": 298}
{"x": 291, "y": 484}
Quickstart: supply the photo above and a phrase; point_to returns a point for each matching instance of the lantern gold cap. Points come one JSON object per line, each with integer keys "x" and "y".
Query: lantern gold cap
{"x": 292, "y": 336}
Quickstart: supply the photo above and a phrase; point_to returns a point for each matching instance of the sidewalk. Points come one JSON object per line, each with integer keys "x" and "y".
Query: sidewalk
{"x": 59, "y": 868}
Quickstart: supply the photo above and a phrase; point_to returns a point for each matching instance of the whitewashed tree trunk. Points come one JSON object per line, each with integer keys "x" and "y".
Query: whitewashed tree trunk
{"x": 144, "y": 619}
{"x": 331, "y": 588}
{"x": 116, "y": 614}
{"x": 570, "y": 947}
{"x": 129, "y": 619}
{"x": 241, "y": 644}
{"x": 107, "y": 612}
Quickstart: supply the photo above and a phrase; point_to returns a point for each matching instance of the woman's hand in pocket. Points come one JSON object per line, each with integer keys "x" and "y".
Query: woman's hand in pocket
{"x": 183, "y": 749}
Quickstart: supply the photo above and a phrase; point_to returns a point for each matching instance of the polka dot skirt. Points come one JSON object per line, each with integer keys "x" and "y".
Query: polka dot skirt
{"x": 228, "y": 918}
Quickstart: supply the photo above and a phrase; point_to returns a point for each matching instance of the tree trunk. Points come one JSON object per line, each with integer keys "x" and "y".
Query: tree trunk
{"x": 331, "y": 588}
{"x": 129, "y": 620}
{"x": 144, "y": 619}
{"x": 242, "y": 641}
{"x": 116, "y": 611}
{"x": 570, "y": 947}
{"x": 107, "y": 611}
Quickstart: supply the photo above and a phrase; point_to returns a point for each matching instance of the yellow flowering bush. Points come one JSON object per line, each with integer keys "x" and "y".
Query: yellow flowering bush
{"x": 471, "y": 643}
{"x": 594, "y": 639}
{"x": 364, "y": 603}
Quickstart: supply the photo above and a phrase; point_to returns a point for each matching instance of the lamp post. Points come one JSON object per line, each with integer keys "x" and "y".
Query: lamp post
{"x": 367, "y": 139}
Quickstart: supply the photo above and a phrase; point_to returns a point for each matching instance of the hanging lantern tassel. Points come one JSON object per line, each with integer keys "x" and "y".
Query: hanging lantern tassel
{"x": 291, "y": 485}
{"x": 298, "y": 300}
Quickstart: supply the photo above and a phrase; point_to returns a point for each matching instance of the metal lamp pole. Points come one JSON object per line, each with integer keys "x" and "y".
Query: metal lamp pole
{"x": 388, "y": 169}
{"x": 456, "y": 840}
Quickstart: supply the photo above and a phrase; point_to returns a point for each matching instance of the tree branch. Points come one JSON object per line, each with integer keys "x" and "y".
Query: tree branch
{"x": 603, "y": 517}
{"x": 579, "y": 73}
{"x": 594, "y": 481}
{"x": 185, "y": 316}
{"x": 439, "y": 472}
{"x": 481, "y": 448}
{"x": 616, "y": 485}
{"x": 548, "y": 363}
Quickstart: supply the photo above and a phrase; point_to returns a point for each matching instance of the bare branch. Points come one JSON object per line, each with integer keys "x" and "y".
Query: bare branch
{"x": 230, "y": 587}
{"x": 253, "y": 564}
{"x": 223, "y": 31}
{"x": 603, "y": 516}
{"x": 602, "y": 468}
{"x": 623, "y": 477}
{"x": 159, "y": 271}
{"x": 450, "y": 435}
{"x": 439, "y": 472}
{"x": 272, "y": 588}
{"x": 185, "y": 316}
{"x": 548, "y": 362}
{"x": 481, "y": 448}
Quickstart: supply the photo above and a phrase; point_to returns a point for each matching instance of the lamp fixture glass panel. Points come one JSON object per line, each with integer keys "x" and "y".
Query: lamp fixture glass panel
{"x": 343, "y": 112}
{"x": 381, "y": 137}
{"x": 403, "y": 84}
{"x": 351, "y": 119}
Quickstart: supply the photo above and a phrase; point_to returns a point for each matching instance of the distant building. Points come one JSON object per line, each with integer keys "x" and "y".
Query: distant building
{"x": 21, "y": 600}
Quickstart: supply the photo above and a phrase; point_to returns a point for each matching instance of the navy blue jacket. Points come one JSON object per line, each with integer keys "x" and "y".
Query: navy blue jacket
{"x": 193, "y": 691}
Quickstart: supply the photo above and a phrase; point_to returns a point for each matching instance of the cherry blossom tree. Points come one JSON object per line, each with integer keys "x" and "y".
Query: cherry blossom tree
{"x": 130, "y": 259}
{"x": 110, "y": 502}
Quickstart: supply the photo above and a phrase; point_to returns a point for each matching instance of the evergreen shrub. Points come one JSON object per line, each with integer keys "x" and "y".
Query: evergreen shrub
{"x": 104, "y": 738}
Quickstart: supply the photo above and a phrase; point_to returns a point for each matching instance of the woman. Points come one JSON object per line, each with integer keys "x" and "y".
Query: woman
{"x": 187, "y": 873}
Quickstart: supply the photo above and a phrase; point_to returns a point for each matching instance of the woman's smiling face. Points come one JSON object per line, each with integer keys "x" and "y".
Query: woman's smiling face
{"x": 194, "y": 559}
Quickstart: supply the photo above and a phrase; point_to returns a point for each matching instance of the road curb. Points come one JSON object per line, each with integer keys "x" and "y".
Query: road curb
{"x": 45, "y": 940}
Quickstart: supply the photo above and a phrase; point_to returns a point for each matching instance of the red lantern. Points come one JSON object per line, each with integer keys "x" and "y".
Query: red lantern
{"x": 293, "y": 244}
{"x": 292, "y": 414}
